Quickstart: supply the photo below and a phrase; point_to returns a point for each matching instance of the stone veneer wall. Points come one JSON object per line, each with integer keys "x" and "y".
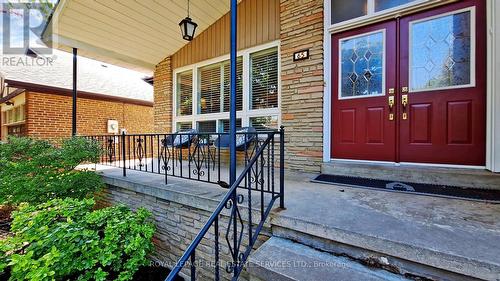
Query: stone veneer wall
{"x": 179, "y": 211}
{"x": 163, "y": 103}
{"x": 302, "y": 84}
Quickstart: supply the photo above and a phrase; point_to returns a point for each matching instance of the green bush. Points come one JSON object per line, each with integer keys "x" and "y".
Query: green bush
{"x": 63, "y": 239}
{"x": 35, "y": 171}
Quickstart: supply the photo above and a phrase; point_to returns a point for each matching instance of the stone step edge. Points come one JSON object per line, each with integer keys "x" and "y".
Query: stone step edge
{"x": 281, "y": 259}
{"x": 455, "y": 264}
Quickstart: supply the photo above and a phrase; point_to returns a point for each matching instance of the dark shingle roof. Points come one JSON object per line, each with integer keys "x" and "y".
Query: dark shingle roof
{"x": 93, "y": 76}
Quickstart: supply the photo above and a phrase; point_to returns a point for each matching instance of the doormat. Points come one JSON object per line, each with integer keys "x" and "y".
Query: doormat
{"x": 486, "y": 195}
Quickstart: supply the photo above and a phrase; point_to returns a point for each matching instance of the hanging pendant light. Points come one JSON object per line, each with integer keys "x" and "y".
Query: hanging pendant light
{"x": 188, "y": 27}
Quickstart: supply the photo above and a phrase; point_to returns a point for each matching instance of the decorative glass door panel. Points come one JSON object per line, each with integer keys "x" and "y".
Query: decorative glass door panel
{"x": 441, "y": 51}
{"x": 361, "y": 65}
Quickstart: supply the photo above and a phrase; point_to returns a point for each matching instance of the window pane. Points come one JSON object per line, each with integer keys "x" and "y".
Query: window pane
{"x": 387, "y": 4}
{"x": 343, "y": 10}
{"x": 264, "y": 78}
{"x": 264, "y": 123}
{"x": 210, "y": 89}
{"x": 224, "y": 125}
{"x": 185, "y": 93}
{"x": 207, "y": 126}
{"x": 182, "y": 126}
{"x": 440, "y": 52}
{"x": 361, "y": 65}
{"x": 239, "y": 85}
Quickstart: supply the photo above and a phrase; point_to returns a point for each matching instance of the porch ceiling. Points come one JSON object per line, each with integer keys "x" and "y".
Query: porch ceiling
{"x": 129, "y": 33}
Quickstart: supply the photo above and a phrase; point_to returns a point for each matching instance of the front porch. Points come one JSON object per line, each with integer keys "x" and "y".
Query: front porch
{"x": 399, "y": 236}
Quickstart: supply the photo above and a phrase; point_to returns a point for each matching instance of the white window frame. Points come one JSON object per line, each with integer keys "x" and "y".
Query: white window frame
{"x": 472, "y": 78}
{"x": 384, "y": 70}
{"x": 245, "y": 113}
{"x": 372, "y": 16}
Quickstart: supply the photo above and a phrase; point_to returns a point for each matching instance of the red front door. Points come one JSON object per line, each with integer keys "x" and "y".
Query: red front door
{"x": 362, "y": 79}
{"x": 439, "y": 90}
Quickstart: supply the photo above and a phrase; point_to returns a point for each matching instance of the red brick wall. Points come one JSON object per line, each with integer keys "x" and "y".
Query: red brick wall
{"x": 49, "y": 116}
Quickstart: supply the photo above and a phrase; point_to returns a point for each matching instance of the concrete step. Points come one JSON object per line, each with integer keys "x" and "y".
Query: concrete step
{"x": 432, "y": 237}
{"x": 471, "y": 178}
{"x": 284, "y": 260}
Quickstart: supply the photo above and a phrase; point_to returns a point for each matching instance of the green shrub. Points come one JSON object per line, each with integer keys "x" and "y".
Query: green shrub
{"x": 63, "y": 239}
{"x": 36, "y": 171}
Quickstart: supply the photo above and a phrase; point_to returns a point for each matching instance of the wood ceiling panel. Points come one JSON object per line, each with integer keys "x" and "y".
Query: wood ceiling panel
{"x": 145, "y": 30}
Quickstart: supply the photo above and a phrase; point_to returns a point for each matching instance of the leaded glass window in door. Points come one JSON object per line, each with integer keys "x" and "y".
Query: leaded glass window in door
{"x": 440, "y": 52}
{"x": 362, "y": 65}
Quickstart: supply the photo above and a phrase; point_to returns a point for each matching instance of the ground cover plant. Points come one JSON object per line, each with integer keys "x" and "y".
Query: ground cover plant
{"x": 35, "y": 171}
{"x": 65, "y": 239}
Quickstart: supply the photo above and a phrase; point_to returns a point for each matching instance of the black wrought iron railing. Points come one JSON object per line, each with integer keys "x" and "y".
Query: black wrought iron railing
{"x": 243, "y": 210}
{"x": 191, "y": 155}
{"x": 232, "y": 230}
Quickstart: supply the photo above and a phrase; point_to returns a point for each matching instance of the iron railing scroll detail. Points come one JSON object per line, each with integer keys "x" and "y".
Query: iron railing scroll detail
{"x": 228, "y": 236}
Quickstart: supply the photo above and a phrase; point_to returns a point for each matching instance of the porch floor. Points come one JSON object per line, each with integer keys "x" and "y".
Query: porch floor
{"x": 450, "y": 234}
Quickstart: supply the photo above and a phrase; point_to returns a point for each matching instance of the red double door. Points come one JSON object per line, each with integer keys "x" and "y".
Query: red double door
{"x": 412, "y": 89}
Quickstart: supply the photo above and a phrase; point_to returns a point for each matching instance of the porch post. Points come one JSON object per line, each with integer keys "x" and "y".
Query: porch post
{"x": 73, "y": 115}
{"x": 232, "y": 110}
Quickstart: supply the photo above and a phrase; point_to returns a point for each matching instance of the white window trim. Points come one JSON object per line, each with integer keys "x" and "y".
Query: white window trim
{"x": 244, "y": 114}
{"x": 372, "y": 16}
{"x": 384, "y": 69}
{"x": 472, "y": 53}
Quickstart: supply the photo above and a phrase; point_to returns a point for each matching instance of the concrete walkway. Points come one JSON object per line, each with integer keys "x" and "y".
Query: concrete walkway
{"x": 450, "y": 234}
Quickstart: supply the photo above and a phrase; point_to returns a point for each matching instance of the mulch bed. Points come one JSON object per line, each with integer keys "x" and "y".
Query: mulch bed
{"x": 5, "y": 221}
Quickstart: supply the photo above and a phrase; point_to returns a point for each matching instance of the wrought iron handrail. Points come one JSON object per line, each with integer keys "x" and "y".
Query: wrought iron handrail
{"x": 197, "y": 156}
{"x": 194, "y": 155}
{"x": 231, "y": 201}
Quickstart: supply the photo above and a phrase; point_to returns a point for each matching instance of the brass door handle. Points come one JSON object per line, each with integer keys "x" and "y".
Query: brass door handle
{"x": 391, "y": 106}
{"x": 404, "y": 102}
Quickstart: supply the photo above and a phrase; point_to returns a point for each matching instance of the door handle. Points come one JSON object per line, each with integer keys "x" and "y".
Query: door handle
{"x": 404, "y": 102}
{"x": 391, "y": 106}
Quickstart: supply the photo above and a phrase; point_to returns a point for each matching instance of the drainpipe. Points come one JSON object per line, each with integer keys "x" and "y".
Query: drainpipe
{"x": 232, "y": 110}
{"x": 73, "y": 116}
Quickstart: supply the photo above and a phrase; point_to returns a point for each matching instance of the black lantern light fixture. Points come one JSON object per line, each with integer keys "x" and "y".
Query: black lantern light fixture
{"x": 188, "y": 27}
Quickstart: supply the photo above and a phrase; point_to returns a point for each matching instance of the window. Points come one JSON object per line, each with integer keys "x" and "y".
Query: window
{"x": 345, "y": 10}
{"x": 14, "y": 115}
{"x": 362, "y": 65}
{"x": 18, "y": 130}
{"x": 209, "y": 89}
{"x": 264, "y": 78}
{"x": 342, "y": 10}
{"x": 185, "y": 93}
{"x": 207, "y": 126}
{"x": 264, "y": 123}
{"x": 387, "y": 4}
{"x": 183, "y": 126}
{"x": 257, "y": 92}
{"x": 239, "y": 85}
{"x": 441, "y": 52}
{"x": 224, "y": 125}
{"x": 215, "y": 84}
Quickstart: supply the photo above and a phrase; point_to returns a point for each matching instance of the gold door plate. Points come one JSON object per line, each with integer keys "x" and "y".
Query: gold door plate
{"x": 391, "y": 116}
{"x": 391, "y": 91}
{"x": 405, "y": 116}
{"x": 404, "y": 90}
